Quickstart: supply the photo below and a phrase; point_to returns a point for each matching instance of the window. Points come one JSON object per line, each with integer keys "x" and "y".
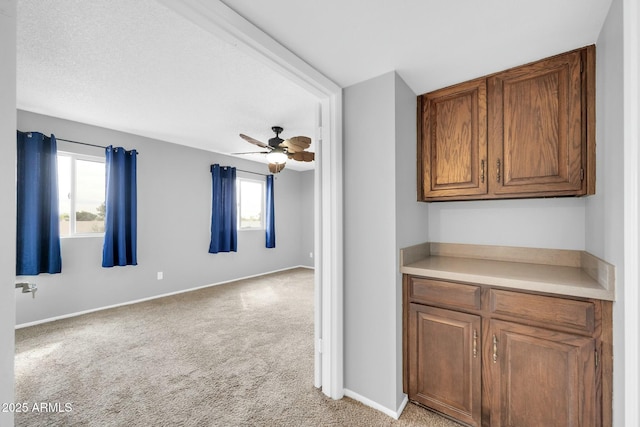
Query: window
{"x": 81, "y": 189}
{"x": 250, "y": 199}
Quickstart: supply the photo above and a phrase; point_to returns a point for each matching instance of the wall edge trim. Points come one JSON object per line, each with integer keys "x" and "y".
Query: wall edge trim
{"x": 375, "y": 405}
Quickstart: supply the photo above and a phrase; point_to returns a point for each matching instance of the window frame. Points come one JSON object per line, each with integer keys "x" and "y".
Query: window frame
{"x": 73, "y": 190}
{"x": 239, "y": 180}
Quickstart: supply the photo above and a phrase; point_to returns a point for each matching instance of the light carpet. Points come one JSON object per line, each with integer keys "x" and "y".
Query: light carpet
{"x": 239, "y": 354}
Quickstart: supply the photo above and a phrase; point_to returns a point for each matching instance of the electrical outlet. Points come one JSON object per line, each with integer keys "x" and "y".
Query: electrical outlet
{"x": 310, "y": 254}
{"x": 160, "y": 275}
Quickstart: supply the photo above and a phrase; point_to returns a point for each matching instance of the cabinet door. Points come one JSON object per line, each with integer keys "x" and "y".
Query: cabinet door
{"x": 536, "y": 129}
{"x": 444, "y": 362}
{"x": 452, "y": 149}
{"x": 541, "y": 377}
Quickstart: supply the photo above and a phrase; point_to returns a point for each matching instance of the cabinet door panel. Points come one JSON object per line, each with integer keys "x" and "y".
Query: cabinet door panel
{"x": 541, "y": 377}
{"x": 444, "y": 362}
{"x": 454, "y": 141}
{"x": 535, "y": 128}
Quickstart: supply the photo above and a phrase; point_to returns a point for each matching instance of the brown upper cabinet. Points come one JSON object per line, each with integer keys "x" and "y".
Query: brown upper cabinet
{"x": 525, "y": 132}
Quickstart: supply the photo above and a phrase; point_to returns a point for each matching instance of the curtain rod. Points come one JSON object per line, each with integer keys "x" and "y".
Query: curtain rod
{"x": 75, "y": 142}
{"x": 81, "y": 143}
{"x": 256, "y": 173}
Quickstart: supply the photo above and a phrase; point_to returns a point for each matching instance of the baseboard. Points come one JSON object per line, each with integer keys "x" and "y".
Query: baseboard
{"x": 370, "y": 403}
{"x": 403, "y": 405}
{"x": 122, "y": 304}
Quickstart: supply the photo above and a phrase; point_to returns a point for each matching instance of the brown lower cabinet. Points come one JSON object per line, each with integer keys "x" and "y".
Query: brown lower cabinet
{"x": 494, "y": 357}
{"x": 447, "y": 374}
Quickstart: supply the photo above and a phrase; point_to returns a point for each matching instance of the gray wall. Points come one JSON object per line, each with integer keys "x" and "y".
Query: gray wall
{"x": 605, "y": 210}
{"x": 412, "y": 217}
{"x": 369, "y": 243}
{"x": 380, "y": 215}
{"x": 8, "y": 206}
{"x": 306, "y": 214}
{"x": 174, "y": 197}
{"x": 540, "y": 223}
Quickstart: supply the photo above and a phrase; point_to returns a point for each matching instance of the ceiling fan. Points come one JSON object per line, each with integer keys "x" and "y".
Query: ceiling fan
{"x": 279, "y": 150}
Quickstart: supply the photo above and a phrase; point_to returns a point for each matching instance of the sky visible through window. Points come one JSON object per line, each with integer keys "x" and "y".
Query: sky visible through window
{"x": 88, "y": 197}
{"x": 250, "y": 203}
{"x": 90, "y": 186}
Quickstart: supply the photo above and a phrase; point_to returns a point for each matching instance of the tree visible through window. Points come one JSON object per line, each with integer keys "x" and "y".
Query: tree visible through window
{"x": 250, "y": 199}
{"x": 81, "y": 184}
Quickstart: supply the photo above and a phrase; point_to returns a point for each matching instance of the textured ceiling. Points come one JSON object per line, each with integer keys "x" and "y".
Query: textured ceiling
{"x": 138, "y": 67}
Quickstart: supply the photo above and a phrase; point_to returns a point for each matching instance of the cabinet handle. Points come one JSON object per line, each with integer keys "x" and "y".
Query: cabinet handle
{"x": 495, "y": 348}
{"x": 498, "y": 170}
{"x": 482, "y": 171}
{"x": 475, "y": 343}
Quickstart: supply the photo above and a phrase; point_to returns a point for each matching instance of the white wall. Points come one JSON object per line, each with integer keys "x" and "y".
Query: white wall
{"x": 174, "y": 199}
{"x": 604, "y": 211}
{"x": 380, "y": 216}
{"x": 8, "y": 207}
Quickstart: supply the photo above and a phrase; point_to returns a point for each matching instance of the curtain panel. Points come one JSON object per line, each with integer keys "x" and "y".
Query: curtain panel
{"x": 37, "y": 219}
{"x": 120, "y": 236}
{"x": 270, "y": 219}
{"x": 224, "y": 230}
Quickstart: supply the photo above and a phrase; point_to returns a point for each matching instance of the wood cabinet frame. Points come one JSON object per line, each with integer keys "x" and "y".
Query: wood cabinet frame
{"x": 514, "y": 385}
{"x": 583, "y": 325}
{"x": 460, "y": 395}
{"x": 453, "y": 129}
{"x": 473, "y": 137}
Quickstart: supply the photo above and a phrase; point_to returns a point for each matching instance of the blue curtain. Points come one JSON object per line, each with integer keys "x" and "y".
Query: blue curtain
{"x": 224, "y": 233}
{"x": 270, "y": 219}
{"x": 120, "y": 235}
{"x": 37, "y": 220}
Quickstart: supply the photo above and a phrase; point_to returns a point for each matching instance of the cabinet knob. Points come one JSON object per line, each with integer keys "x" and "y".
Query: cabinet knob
{"x": 482, "y": 171}
{"x": 498, "y": 170}
{"x": 495, "y": 348}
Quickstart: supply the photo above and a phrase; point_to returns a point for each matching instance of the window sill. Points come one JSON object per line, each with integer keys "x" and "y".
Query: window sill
{"x": 83, "y": 236}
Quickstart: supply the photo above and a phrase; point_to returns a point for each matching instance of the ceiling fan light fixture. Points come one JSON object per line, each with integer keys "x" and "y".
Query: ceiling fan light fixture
{"x": 280, "y": 150}
{"x": 277, "y": 156}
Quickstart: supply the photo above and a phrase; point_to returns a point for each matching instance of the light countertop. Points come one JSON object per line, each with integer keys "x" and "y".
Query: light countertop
{"x": 563, "y": 272}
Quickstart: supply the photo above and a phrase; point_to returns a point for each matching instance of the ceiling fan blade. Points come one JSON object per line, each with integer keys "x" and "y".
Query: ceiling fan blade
{"x": 254, "y": 141}
{"x": 275, "y": 167}
{"x": 296, "y": 144}
{"x": 303, "y": 156}
{"x": 252, "y": 152}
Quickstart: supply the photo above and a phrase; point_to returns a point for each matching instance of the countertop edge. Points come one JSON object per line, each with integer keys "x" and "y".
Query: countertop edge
{"x": 523, "y": 285}
{"x": 601, "y": 272}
